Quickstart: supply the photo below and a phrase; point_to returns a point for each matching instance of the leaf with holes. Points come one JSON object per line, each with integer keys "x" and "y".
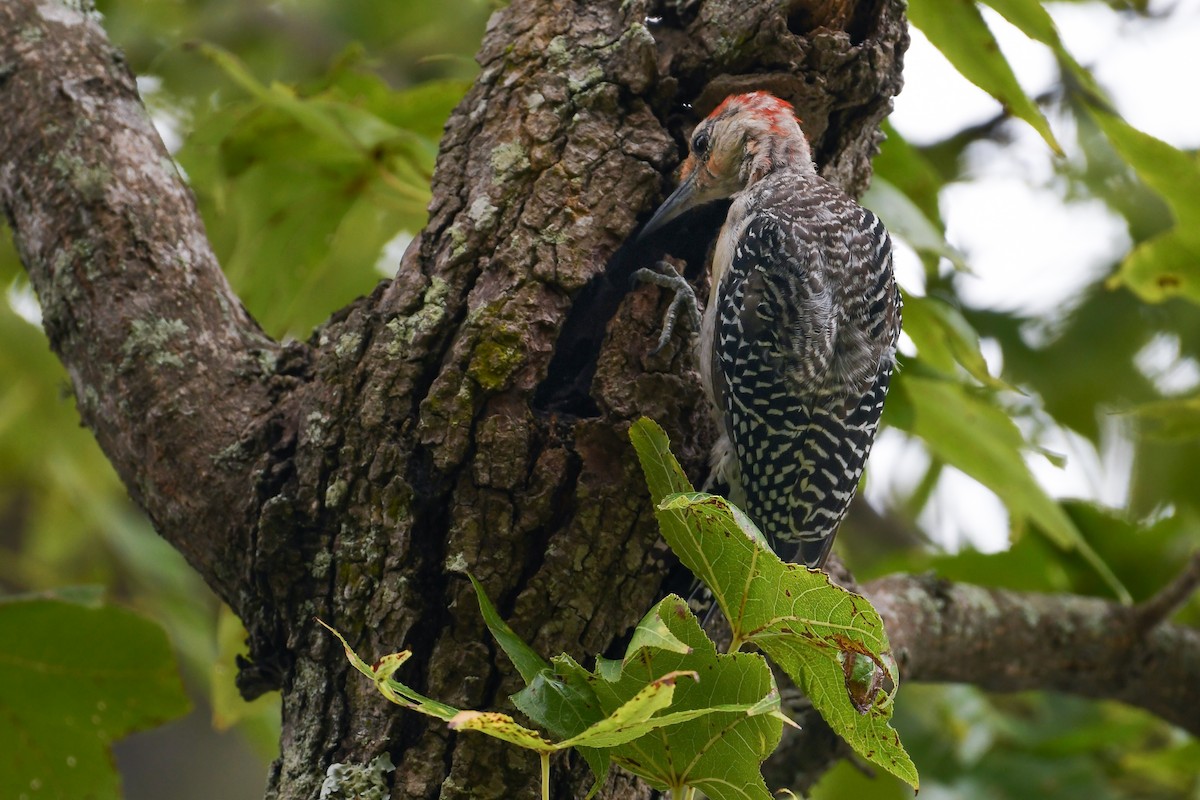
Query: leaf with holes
{"x": 814, "y": 630}
{"x": 830, "y": 641}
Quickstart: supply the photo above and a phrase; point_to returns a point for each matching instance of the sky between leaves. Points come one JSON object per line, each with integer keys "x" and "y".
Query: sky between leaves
{"x": 1064, "y": 244}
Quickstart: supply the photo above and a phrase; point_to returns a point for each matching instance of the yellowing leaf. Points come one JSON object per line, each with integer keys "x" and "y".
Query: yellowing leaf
{"x": 1169, "y": 264}
{"x": 501, "y": 726}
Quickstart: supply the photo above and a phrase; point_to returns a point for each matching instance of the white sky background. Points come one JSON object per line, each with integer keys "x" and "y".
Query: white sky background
{"x": 1150, "y": 67}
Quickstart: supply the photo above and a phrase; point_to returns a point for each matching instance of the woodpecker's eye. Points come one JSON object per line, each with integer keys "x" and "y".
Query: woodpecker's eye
{"x": 700, "y": 143}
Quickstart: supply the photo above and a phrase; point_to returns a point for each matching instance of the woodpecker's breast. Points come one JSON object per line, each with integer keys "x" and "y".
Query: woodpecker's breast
{"x": 731, "y": 233}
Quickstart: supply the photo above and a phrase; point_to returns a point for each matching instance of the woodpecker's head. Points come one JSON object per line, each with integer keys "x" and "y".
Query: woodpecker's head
{"x": 742, "y": 140}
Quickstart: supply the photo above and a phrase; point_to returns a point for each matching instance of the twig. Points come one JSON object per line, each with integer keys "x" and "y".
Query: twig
{"x": 1168, "y": 600}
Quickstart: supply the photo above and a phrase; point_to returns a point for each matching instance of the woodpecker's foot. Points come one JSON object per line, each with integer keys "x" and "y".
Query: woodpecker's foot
{"x": 666, "y": 276}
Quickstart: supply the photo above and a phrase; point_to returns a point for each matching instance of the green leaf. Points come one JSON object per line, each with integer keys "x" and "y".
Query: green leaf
{"x": 635, "y": 707}
{"x": 562, "y": 702}
{"x": 1031, "y": 18}
{"x": 559, "y": 700}
{"x": 1166, "y": 266}
{"x": 74, "y": 679}
{"x": 563, "y": 706}
{"x": 664, "y": 476}
{"x": 422, "y": 109}
{"x": 731, "y": 711}
{"x": 653, "y": 631}
{"x": 1171, "y": 172}
{"x": 810, "y": 627}
{"x": 1169, "y": 264}
{"x": 301, "y": 188}
{"x": 1174, "y": 419}
{"x": 335, "y": 122}
{"x": 958, "y": 30}
{"x": 1146, "y": 558}
{"x": 228, "y": 706}
{"x": 978, "y": 438}
{"x": 567, "y": 700}
{"x": 911, "y": 172}
{"x": 523, "y": 657}
{"x": 803, "y": 622}
{"x": 944, "y": 338}
{"x": 905, "y": 219}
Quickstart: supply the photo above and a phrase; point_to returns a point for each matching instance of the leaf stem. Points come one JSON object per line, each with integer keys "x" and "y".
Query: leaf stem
{"x": 545, "y": 756}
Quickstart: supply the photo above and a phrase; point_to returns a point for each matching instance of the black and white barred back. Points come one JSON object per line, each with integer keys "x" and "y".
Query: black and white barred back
{"x": 805, "y": 322}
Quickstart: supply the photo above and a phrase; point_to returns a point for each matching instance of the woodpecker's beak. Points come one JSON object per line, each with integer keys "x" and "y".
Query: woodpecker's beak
{"x": 682, "y": 199}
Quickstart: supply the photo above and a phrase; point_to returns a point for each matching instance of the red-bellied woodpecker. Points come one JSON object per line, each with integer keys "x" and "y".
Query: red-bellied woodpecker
{"x": 798, "y": 338}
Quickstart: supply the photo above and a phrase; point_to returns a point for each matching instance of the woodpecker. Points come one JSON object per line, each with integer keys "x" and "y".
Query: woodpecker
{"x": 798, "y": 338}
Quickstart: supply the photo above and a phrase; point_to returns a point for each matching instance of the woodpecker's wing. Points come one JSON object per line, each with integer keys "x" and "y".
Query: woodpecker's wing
{"x": 840, "y": 438}
{"x": 799, "y": 411}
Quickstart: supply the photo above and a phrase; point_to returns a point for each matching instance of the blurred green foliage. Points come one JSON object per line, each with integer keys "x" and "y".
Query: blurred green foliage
{"x": 308, "y": 132}
{"x": 65, "y": 698}
{"x": 308, "y": 128}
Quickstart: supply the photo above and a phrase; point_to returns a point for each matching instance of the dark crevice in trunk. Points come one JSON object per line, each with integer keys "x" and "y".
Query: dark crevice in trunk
{"x": 567, "y": 387}
{"x": 564, "y": 509}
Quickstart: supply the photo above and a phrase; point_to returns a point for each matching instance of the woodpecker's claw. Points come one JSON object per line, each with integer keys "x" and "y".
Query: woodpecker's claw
{"x": 666, "y": 276}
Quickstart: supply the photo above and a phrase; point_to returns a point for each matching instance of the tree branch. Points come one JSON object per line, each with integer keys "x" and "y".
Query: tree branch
{"x": 169, "y": 371}
{"x": 1006, "y": 641}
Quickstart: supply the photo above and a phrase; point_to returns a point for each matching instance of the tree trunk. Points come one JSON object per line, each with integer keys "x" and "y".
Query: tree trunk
{"x": 469, "y": 416}
{"x": 473, "y": 414}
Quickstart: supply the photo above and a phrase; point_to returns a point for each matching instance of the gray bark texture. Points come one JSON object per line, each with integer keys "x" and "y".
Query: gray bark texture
{"x": 470, "y": 415}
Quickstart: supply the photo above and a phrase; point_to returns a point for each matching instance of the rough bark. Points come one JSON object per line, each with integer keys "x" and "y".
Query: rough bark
{"x": 469, "y": 415}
